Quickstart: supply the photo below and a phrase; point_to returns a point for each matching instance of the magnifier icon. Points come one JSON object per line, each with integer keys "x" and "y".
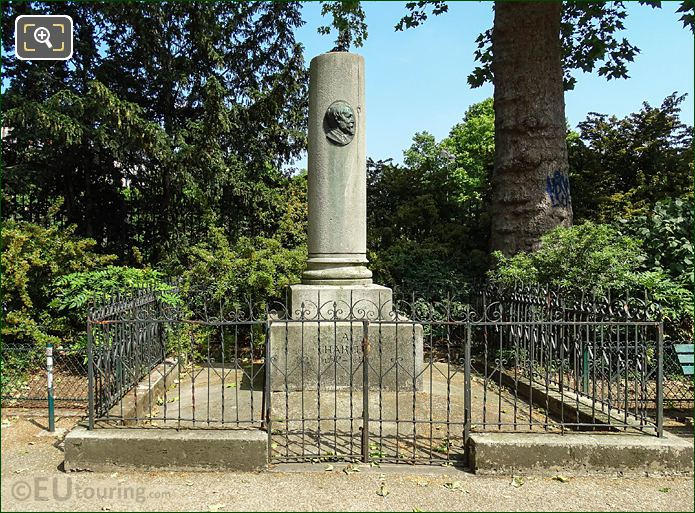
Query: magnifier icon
{"x": 43, "y": 36}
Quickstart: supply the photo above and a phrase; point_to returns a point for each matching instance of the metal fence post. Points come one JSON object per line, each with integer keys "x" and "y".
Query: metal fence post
{"x": 585, "y": 367}
{"x": 49, "y": 371}
{"x": 267, "y": 393}
{"x": 90, "y": 374}
{"x": 660, "y": 382}
{"x": 365, "y": 391}
{"x": 467, "y": 388}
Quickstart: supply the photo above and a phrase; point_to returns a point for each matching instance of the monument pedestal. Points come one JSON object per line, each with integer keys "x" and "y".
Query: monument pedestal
{"x": 336, "y": 302}
{"x": 320, "y": 345}
{"x": 328, "y": 355}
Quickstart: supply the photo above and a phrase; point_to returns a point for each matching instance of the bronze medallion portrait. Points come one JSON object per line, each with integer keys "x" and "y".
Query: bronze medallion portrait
{"x": 339, "y": 123}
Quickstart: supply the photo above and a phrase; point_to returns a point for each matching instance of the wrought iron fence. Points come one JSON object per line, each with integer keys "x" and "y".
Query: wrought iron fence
{"x": 376, "y": 379}
{"x": 124, "y": 343}
{"x": 159, "y": 368}
{"x": 543, "y": 303}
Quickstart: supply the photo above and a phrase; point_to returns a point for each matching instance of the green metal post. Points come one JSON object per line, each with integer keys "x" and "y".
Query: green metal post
{"x": 49, "y": 370}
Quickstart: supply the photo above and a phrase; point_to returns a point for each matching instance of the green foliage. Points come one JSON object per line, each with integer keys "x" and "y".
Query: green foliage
{"x": 17, "y": 365}
{"x": 598, "y": 258}
{"x": 171, "y": 118}
{"x": 418, "y": 13}
{"x": 586, "y": 256}
{"x": 248, "y": 267}
{"x": 75, "y": 291}
{"x": 294, "y": 211}
{"x": 675, "y": 299}
{"x": 258, "y": 268}
{"x": 427, "y": 220}
{"x": 428, "y": 269}
{"x": 623, "y": 167}
{"x": 667, "y": 238}
{"x": 472, "y": 145}
{"x": 347, "y": 20}
{"x": 33, "y": 258}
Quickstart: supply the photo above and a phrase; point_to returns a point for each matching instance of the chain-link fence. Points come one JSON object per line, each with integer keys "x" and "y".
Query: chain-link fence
{"x": 24, "y": 377}
{"x": 679, "y": 389}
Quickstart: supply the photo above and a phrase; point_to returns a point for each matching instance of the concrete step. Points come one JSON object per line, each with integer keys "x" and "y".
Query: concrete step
{"x": 194, "y": 449}
{"x": 510, "y": 453}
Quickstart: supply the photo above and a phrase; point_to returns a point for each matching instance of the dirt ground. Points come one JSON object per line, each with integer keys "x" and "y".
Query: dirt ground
{"x": 33, "y": 480}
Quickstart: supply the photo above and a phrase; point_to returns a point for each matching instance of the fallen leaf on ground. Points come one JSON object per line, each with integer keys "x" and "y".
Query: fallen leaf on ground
{"x": 423, "y": 483}
{"x": 453, "y": 485}
{"x": 328, "y": 468}
{"x": 351, "y": 469}
{"x": 382, "y": 491}
{"x": 664, "y": 490}
{"x": 561, "y": 478}
{"x": 517, "y": 481}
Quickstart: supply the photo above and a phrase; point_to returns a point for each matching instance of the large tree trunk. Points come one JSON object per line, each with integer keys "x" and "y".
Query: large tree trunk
{"x": 530, "y": 185}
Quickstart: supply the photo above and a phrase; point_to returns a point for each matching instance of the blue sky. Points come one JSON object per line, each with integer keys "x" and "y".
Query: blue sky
{"x": 416, "y": 79}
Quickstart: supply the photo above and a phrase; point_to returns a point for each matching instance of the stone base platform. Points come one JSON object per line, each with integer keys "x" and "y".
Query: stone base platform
{"x": 328, "y": 354}
{"x": 105, "y": 449}
{"x": 545, "y": 453}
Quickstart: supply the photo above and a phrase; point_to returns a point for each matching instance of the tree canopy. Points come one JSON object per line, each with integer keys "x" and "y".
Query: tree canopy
{"x": 623, "y": 167}
{"x": 192, "y": 107}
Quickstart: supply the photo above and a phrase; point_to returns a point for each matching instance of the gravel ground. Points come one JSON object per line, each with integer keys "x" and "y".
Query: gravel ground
{"x": 32, "y": 480}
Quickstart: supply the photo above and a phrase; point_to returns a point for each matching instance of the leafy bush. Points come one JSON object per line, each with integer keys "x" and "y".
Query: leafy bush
{"x": 588, "y": 256}
{"x": 427, "y": 269}
{"x": 597, "y": 258}
{"x": 33, "y": 258}
{"x": 666, "y": 235}
{"x": 427, "y": 221}
{"x": 623, "y": 167}
{"x": 73, "y": 293}
{"x": 256, "y": 267}
{"x": 675, "y": 299}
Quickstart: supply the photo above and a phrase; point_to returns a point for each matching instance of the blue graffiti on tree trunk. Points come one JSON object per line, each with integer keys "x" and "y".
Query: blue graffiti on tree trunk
{"x": 558, "y": 188}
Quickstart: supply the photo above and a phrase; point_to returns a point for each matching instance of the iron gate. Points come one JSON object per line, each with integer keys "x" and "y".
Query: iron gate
{"x": 362, "y": 400}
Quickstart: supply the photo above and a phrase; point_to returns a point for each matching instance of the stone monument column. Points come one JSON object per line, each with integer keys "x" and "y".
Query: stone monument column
{"x": 336, "y": 269}
{"x": 337, "y": 175}
{"x": 319, "y": 344}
